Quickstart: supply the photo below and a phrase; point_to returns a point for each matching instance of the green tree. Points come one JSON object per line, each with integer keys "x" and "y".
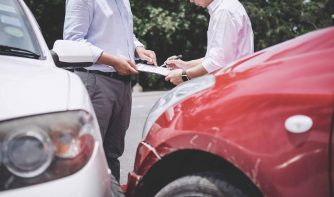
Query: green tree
{"x": 181, "y": 29}
{"x": 50, "y": 16}
{"x": 169, "y": 30}
{"x": 276, "y": 21}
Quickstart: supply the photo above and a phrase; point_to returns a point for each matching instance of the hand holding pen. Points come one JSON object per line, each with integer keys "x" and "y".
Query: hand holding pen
{"x": 174, "y": 62}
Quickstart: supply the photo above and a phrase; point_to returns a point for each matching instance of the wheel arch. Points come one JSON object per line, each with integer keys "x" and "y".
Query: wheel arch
{"x": 184, "y": 162}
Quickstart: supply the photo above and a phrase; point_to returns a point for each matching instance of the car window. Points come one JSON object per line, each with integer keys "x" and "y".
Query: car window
{"x": 15, "y": 29}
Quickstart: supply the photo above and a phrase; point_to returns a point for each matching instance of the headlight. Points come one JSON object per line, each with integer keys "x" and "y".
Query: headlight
{"x": 44, "y": 147}
{"x": 28, "y": 152}
{"x": 176, "y": 95}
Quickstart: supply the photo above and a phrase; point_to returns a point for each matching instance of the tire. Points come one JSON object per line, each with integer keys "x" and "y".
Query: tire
{"x": 207, "y": 184}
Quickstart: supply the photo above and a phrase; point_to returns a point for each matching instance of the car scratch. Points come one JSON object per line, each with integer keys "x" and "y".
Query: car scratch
{"x": 255, "y": 170}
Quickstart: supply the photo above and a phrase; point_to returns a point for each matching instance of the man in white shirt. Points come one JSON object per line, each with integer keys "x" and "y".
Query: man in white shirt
{"x": 230, "y": 37}
{"x": 107, "y": 26}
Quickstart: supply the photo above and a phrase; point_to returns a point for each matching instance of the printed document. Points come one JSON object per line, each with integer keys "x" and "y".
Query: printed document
{"x": 153, "y": 69}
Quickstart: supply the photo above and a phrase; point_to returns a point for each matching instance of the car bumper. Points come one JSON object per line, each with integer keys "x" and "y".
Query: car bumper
{"x": 92, "y": 180}
{"x": 146, "y": 156}
{"x": 133, "y": 180}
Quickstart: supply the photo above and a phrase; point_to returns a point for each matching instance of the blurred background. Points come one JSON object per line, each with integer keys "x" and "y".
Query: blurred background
{"x": 172, "y": 27}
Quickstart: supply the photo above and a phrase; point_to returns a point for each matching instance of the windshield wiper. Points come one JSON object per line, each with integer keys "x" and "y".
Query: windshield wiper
{"x": 13, "y": 51}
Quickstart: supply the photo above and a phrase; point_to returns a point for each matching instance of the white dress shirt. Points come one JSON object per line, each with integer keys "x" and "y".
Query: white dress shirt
{"x": 106, "y": 25}
{"x": 230, "y": 34}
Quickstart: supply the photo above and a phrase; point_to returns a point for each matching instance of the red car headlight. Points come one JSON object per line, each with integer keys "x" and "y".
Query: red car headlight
{"x": 176, "y": 95}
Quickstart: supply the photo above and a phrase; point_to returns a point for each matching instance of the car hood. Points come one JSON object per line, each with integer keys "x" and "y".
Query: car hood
{"x": 29, "y": 87}
{"x": 286, "y": 68}
{"x": 309, "y": 44}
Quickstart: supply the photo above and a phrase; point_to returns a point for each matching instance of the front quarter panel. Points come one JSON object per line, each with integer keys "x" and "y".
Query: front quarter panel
{"x": 242, "y": 121}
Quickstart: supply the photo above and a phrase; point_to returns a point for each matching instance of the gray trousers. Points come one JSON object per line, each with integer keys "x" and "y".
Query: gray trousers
{"x": 111, "y": 99}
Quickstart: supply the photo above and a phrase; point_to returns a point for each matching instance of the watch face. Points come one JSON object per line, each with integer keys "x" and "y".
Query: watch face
{"x": 184, "y": 75}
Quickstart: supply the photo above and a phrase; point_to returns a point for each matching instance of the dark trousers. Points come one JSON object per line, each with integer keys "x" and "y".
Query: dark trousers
{"x": 111, "y": 99}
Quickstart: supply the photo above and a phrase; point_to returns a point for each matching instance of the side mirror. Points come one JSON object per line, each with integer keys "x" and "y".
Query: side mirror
{"x": 69, "y": 54}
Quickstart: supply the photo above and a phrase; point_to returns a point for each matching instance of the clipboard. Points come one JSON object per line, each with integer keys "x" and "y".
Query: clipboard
{"x": 153, "y": 69}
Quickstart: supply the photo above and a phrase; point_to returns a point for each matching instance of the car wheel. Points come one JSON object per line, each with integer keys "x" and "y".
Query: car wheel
{"x": 207, "y": 184}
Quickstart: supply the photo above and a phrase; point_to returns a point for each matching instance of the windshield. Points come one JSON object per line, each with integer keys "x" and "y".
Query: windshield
{"x": 16, "y": 35}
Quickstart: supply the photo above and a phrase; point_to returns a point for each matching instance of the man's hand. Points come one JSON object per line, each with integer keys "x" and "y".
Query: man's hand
{"x": 175, "y": 76}
{"x": 122, "y": 65}
{"x": 148, "y": 55}
{"x": 175, "y": 63}
{"x": 125, "y": 66}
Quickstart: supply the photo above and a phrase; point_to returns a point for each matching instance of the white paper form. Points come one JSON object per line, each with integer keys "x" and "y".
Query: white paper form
{"x": 153, "y": 69}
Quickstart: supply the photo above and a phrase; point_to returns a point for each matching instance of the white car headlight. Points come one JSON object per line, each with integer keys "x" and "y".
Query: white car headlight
{"x": 176, "y": 95}
{"x": 28, "y": 151}
{"x": 44, "y": 147}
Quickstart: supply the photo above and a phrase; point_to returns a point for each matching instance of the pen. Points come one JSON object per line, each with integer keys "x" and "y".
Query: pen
{"x": 174, "y": 57}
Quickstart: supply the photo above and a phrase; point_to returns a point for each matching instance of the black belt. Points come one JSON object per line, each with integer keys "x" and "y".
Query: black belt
{"x": 113, "y": 75}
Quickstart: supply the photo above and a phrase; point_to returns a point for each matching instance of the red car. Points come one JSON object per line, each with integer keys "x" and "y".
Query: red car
{"x": 262, "y": 126}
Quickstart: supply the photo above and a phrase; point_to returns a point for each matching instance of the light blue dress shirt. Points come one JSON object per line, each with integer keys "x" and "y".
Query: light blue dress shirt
{"x": 106, "y": 25}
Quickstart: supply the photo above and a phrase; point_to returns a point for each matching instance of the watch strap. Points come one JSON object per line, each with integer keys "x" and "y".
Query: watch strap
{"x": 184, "y": 75}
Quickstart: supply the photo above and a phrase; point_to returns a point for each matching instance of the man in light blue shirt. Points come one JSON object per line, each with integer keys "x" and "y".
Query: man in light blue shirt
{"x": 107, "y": 26}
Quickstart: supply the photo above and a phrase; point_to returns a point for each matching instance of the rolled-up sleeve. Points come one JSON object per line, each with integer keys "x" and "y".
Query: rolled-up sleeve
{"x": 137, "y": 42}
{"x": 222, "y": 45}
{"x": 78, "y": 17}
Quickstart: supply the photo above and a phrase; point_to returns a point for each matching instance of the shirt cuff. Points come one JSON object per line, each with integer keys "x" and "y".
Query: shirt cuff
{"x": 138, "y": 44}
{"x": 210, "y": 65}
{"x": 96, "y": 52}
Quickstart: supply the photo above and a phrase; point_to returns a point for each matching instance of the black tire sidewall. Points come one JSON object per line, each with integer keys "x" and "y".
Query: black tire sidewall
{"x": 202, "y": 184}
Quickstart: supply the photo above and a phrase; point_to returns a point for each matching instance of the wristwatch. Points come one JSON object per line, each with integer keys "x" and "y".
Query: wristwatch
{"x": 184, "y": 75}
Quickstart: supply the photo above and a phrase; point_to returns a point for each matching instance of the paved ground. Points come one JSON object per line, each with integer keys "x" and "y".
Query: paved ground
{"x": 141, "y": 105}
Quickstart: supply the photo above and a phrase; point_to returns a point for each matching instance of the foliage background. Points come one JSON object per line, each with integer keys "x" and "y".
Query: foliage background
{"x": 178, "y": 27}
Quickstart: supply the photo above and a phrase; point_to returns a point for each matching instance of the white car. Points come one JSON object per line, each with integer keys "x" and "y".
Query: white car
{"x": 50, "y": 143}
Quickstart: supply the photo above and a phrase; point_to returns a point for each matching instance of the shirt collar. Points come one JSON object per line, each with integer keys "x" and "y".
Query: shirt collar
{"x": 213, "y": 5}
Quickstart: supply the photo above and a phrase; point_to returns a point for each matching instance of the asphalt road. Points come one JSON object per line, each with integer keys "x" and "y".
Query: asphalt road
{"x": 141, "y": 105}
